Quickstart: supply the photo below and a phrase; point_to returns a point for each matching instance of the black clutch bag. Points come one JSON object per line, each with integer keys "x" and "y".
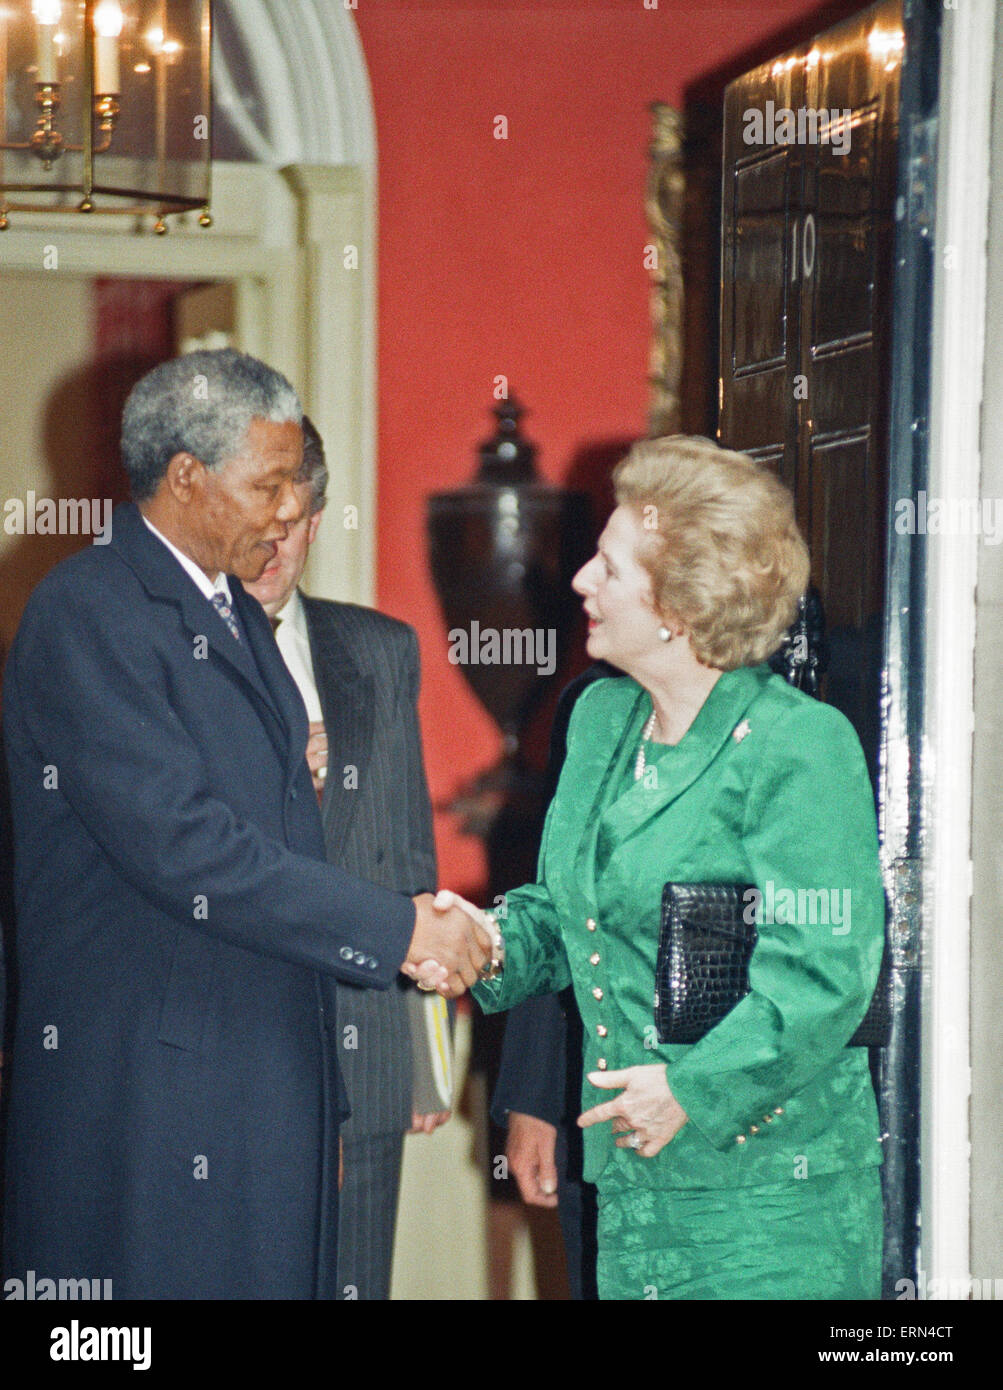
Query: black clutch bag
{"x": 707, "y": 936}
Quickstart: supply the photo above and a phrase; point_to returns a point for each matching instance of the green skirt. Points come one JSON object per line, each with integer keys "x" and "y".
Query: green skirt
{"x": 813, "y": 1238}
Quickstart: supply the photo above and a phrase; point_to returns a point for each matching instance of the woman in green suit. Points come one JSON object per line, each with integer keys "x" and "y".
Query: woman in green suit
{"x": 744, "y": 1165}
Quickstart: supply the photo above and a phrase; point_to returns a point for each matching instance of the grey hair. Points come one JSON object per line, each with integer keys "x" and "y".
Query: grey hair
{"x": 200, "y": 404}
{"x": 314, "y": 466}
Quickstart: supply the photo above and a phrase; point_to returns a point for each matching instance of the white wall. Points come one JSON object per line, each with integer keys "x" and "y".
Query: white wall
{"x": 48, "y": 418}
{"x": 987, "y": 790}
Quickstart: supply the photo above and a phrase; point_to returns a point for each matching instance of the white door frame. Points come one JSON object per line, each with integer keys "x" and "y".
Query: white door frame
{"x": 957, "y": 358}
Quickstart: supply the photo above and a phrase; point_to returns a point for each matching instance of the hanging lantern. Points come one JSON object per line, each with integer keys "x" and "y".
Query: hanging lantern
{"x": 107, "y": 107}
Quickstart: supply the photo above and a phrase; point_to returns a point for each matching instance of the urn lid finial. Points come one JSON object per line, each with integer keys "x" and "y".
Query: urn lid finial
{"x": 507, "y": 458}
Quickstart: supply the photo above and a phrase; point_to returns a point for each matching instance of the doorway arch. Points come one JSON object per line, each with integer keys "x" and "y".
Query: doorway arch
{"x": 326, "y": 121}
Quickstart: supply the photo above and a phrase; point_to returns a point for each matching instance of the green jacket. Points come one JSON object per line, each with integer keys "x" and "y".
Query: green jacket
{"x": 767, "y": 787}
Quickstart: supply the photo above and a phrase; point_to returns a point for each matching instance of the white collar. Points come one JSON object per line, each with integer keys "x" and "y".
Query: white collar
{"x": 199, "y": 576}
{"x": 293, "y": 614}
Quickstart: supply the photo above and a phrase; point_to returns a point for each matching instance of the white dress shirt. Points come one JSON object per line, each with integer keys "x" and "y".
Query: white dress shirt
{"x": 294, "y": 644}
{"x": 205, "y": 584}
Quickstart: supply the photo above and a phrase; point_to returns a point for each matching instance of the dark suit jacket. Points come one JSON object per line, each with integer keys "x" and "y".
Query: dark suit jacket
{"x": 175, "y": 1094}
{"x": 378, "y": 825}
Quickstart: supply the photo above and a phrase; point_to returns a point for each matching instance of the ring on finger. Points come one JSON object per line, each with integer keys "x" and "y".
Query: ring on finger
{"x": 635, "y": 1141}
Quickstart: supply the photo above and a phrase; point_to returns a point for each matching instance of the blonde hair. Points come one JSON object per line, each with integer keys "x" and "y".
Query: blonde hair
{"x": 725, "y": 554}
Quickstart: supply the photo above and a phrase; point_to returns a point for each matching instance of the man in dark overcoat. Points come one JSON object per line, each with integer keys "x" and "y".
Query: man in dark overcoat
{"x": 175, "y": 1095}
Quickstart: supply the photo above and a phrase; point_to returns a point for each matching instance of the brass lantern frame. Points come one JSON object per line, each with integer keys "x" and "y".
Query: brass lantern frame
{"x": 101, "y": 111}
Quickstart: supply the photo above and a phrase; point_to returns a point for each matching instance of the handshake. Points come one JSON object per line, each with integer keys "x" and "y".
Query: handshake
{"x": 454, "y": 944}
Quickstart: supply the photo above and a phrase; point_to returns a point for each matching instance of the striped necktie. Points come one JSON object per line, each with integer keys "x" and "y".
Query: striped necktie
{"x": 222, "y": 607}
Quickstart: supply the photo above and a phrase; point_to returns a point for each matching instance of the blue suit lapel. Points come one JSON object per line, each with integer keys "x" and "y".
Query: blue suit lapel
{"x": 163, "y": 578}
{"x": 273, "y": 673}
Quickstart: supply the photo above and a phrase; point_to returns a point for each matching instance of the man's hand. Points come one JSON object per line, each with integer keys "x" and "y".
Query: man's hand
{"x": 646, "y": 1112}
{"x": 316, "y": 756}
{"x": 448, "y": 947}
{"x": 427, "y": 1124}
{"x": 530, "y": 1153}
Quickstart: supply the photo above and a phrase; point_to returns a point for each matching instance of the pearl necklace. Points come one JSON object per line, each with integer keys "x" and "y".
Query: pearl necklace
{"x": 646, "y": 733}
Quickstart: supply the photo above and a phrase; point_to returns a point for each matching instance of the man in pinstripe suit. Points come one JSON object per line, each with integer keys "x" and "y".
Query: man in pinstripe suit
{"x": 357, "y": 671}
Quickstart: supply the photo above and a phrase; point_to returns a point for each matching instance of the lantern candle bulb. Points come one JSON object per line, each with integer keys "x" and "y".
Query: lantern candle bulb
{"x": 47, "y": 15}
{"x": 107, "y": 30}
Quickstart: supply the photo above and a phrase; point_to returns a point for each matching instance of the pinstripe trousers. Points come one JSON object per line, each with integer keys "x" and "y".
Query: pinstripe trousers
{"x": 367, "y": 1215}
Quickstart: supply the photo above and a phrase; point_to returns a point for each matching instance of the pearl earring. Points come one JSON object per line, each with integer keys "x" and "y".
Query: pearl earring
{"x": 664, "y": 633}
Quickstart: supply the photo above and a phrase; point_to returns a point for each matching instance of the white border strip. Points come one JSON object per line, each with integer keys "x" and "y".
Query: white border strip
{"x": 955, "y": 471}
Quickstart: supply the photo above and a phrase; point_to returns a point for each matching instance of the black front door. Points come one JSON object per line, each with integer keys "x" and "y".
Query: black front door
{"x": 827, "y": 176}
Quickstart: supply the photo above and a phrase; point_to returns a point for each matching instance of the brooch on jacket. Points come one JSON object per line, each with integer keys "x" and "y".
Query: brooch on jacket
{"x": 740, "y": 730}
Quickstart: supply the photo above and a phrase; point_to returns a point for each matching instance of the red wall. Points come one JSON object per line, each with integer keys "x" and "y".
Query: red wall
{"x": 520, "y": 257}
